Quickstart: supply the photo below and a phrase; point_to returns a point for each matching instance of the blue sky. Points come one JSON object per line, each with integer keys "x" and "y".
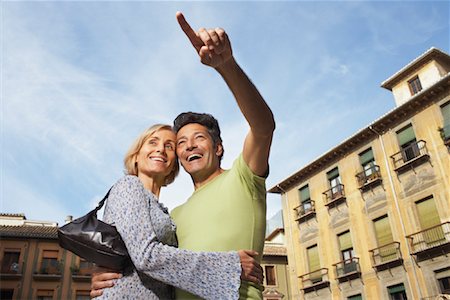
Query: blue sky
{"x": 80, "y": 80}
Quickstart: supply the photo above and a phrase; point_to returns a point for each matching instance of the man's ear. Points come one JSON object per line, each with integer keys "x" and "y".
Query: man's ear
{"x": 219, "y": 149}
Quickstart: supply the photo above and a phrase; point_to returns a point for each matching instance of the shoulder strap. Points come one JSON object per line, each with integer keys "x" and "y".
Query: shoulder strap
{"x": 102, "y": 202}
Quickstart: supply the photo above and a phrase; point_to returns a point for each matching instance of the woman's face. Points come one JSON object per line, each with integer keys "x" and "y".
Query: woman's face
{"x": 157, "y": 157}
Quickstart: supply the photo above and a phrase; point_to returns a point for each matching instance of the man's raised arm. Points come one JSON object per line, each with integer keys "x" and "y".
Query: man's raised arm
{"x": 214, "y": 49}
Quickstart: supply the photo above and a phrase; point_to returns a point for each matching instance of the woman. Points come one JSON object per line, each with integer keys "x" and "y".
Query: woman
{"x": 149, "y": 233}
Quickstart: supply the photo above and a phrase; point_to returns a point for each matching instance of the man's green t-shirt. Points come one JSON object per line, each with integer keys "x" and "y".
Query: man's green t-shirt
{"x": 228, "y": 213}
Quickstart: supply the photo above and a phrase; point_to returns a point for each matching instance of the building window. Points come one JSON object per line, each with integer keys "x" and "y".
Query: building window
{"x": 6, "y": 294}
{"x": 82, "y": 295}
{"x": 384, "y": 237}
{"x": 270, "y": 275}
{"x": 49, "y": 264}
{"x": 335, "y": 183}
{"x": 347, "y": 252}
{"x": 355, "y": 297}
{"x": 414, "y": 85}
{"x": 367, "y": 161}
{"x": 305, "y": 199}
{"x": 10, "y": 262}
{"x": 407, "y": 141}
{"x": 44, "y": 295}
{"x": 314, "y": 263}
{"x": 445, "y": 130}
{"x": 429, "y": 219}
{"x": 383, "y": 231}
{"x": 444, "y": 285}
{"x": 397, "y": 292}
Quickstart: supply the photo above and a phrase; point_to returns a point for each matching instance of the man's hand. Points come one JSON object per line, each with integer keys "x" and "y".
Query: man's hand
{"x": 251, "y": 269}
{"x": 102, "y": 278}
{"x": 212, "y": 45}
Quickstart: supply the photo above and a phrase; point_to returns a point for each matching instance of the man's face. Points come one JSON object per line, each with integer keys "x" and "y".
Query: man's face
{"x": 196, "y": 151}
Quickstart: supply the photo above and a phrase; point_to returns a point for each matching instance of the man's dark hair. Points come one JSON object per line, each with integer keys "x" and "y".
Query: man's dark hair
{"x": 206, "y": 120}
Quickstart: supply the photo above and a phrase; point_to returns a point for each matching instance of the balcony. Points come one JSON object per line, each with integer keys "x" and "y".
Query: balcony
{"x": 315, "y": 280}
{"x": 431, "y": 242}
{"x": 334, "y": 196}
{"x": 49, "y": 272}
{"x": 386, "y": 257}
{"x": 369, "y": 178}
{"x": 305, "y": 211}
{"x": 348, "y": 269}
{"x": 410, "y": 156}
{"x": 11, "y": 270}
{"x": 445, "y": 134}
{"x": 81, "y": 274}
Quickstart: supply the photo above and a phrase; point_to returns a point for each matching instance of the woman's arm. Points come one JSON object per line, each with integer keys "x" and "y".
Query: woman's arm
{"x": 201, "y": 273}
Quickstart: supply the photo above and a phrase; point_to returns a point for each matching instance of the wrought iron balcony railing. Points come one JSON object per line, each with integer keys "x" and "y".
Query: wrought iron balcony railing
{"x": 348, "y": 269}
{"x": 304, "y": 210}
{"x": 315, "y": 280}
{"x": 334, "y": 194}
{"x": 11, "y": 270}
{"x": 368, "y": 176}
{"x": 409, "y": 154}
{"x": 49, "y": 271}
{"x": 386, "y": 256}
{"x": 431, "y": 242}
{"x": 445, "y": 134}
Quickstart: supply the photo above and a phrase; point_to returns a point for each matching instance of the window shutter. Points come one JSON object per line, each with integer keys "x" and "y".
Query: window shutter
{"x": 333, "y": 174}
{"x": 428, "y": 214}
{"x": 345, "y": 241}
{"x": 396, "y": 288}
{"x": 304, "y": 193}
{"x": 446, "y": 113}
{"x": 383, "y": 231}
{"x": 366, "y": 157}
{"x": 406, "y": 135}
{"x": 313, "y": 258}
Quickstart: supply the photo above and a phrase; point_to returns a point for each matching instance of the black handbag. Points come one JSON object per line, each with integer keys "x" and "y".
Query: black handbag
{"x": 95, "y": 241}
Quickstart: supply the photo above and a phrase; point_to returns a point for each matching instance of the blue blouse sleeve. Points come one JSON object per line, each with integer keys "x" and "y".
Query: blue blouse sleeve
{"x": 210, "y": 275}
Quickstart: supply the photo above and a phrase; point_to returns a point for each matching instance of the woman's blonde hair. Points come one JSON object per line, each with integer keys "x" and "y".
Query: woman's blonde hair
{"x": 130, "y": 157}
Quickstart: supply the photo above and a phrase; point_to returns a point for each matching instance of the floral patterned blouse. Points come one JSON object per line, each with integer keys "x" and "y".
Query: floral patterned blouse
{"x": 149, "y": 234}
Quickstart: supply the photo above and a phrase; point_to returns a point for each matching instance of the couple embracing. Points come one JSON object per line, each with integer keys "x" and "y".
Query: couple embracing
{"x": 209, "y": 247}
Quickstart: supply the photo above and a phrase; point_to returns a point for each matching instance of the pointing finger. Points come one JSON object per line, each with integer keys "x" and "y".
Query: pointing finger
{"x": 190, "y": 33}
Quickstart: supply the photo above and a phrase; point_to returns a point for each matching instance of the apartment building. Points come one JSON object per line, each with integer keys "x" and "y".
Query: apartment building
{"x": 33, "y": 266}
{"x": 370, "y": 219}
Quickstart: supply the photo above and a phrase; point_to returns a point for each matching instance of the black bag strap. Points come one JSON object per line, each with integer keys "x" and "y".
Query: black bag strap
{"x": 102, "y": 202}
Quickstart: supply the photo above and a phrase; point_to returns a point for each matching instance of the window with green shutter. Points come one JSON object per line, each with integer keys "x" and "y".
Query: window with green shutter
{"x": 383, "y": 231}
{"x": 345, "y": 241}
{"x": 313, "y": 258}
{"x": 384, "y": 237}
{"x": 355, "y": 297}
{"x": 445, "y": 131}
{"x": 367, "y": 161}
{"x": 406, "y": 136}
{"x": 427, "y": 212}
{"x": 366, "y": 157}
{"x": 304, "y": 193}
{"x": 429, "y": 219}
{"x": 445, "y": 109}
{"x": 397, "y": 292}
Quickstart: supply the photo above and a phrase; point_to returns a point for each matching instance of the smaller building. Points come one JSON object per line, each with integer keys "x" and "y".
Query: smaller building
{"x": 33, "y": 266}
{"x": 275, "y": 266}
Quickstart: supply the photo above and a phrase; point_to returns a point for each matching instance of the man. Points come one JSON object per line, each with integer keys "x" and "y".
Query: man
{"x": 227, "y": 210}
